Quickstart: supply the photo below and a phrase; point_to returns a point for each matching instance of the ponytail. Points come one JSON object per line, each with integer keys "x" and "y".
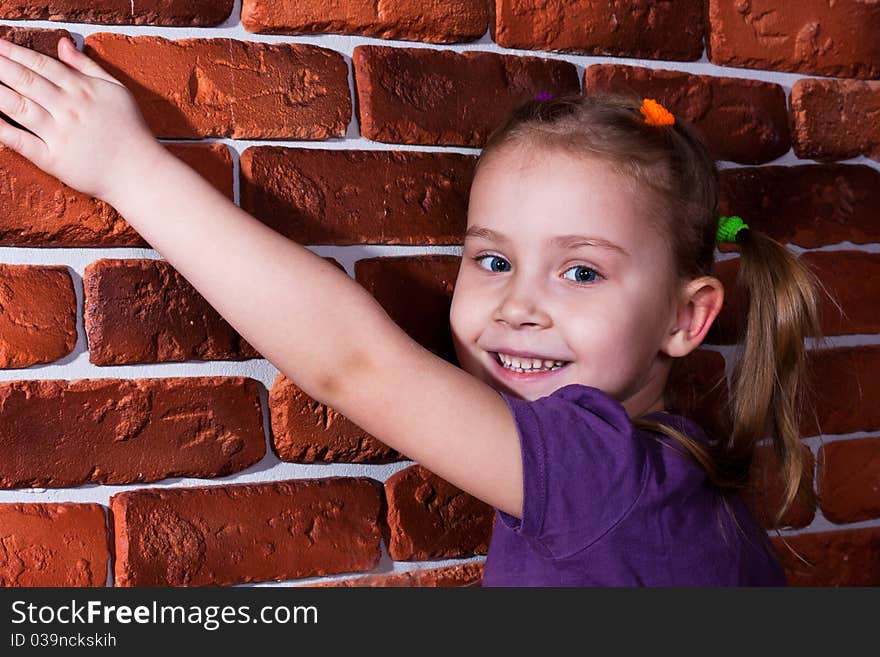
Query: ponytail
{"x": 770, "y": 385}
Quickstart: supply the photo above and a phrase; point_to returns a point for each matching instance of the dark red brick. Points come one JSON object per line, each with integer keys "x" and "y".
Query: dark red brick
{"x": 841, "y": 558}
{"x": 416, "y": 292}
{"x": 450, "y": 21}
{"x": 441, "y": 97}
{"x": 835, "y": 119}
{"x": 466, "y": 574}
{"x": 144, "y": 311}
{"x": 57, "y": 433}
{"x": 37, "y": 314}
{"x": 429, "y": 518}
{"x": 697, "y": 388}
{"x": 197, "y": 88}
{"x": 849, "y": 480}
{"x": 37, "y": 209}
{"x": 815, "y": 36}
{"x": 53, "y": 545}
{"x": 810, "y": 205}
{"x": 852, "y": 279}
{"x": 307, "y": 431}
{"x": 766, "y": 491}
{"x": 176, "y": 13}
{"x": 656, "y": 30}
{"x": 322, "y": 196}
{"x": 222, "y": 535}
{"x": 847, "y": 381}
{"x": 741, "y": 120}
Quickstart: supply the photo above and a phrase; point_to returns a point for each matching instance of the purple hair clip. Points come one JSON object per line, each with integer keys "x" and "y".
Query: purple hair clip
{"x": 544, "y": 96}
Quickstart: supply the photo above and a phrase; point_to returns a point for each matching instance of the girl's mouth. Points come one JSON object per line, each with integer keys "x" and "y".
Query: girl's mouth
{"x": 527, "y": 369}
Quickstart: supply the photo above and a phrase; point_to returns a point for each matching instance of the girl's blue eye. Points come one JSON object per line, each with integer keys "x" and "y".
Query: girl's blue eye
{"x": 583, "y": 275}
{"x": 494, "y": 261}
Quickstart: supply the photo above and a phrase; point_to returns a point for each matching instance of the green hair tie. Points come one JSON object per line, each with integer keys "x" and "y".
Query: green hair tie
{"x": 728, "y": 227}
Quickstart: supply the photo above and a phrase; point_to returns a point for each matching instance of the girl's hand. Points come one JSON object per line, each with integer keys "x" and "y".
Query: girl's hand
{"x": 86, "y": 124}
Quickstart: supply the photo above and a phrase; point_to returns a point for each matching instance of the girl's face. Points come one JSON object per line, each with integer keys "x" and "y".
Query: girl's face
{"x": 530, "y": 288}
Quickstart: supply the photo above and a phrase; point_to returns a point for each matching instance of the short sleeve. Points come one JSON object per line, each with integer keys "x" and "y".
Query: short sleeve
{"x": 583, "y": 468}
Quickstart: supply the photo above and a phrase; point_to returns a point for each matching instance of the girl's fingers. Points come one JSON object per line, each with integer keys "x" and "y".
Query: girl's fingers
{"x": 48, "y": 68}
{"x": 25, "y": 111}
{"x": 23, "y": 143}
{"x": 28, "y": 83}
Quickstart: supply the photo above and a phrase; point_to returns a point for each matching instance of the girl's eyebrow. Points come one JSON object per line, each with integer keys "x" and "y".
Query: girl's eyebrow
{"x": 561, "y": 241}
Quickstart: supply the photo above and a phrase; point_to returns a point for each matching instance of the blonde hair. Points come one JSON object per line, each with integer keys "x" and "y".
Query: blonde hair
{"x": 769, "y": 383}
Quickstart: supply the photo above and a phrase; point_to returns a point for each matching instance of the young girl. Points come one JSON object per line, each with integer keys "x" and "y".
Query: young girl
{"x": 587, "y": 268}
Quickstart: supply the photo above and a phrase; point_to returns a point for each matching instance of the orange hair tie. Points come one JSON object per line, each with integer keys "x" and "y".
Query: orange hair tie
{"x": 655, "y": 113}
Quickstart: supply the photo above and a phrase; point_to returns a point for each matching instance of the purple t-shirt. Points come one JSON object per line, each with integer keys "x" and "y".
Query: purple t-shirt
{"x": 605, "y": 504}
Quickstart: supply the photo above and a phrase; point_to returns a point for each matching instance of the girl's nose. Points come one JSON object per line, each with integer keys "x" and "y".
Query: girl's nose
{"x": 522, "y": 307}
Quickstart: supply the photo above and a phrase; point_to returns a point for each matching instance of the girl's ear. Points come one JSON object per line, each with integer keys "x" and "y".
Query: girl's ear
{"x": 699, "y": 304}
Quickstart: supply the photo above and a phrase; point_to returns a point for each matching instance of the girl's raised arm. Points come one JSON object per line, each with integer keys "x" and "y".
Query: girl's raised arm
{"x": 312, "y": 321}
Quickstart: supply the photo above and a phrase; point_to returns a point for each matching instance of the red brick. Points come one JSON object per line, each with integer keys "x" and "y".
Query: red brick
{"x": 667, "y": 30}
{"x": 849, "y": 480}
{"x": 144, "y": 311}
{"x": 466, "y": 574}
{"x": 416, "y": 292}
{"x": 846, "y": 304}
{"x": 810, "y": 205}
{"x": 852, "y": 278}
{"x": 697, "y": 388}
{"x": 322, "y": 196}
{"x": 450, "y": 21}
{"x": 43, "y": 40}
{"x": 178, "y": 13}
{"x": 440, "y": 97}
{"x": 37, "y": 209}
{"x": 835, "y": 119}
{"x": 307, "y": 431}
{"x": 53, "y": 545}
{"x": 429, "y": 518}
{"x": 223, "y": 535}
{"x": 227, "y": 88}
{"x": 766, "y": 493}
{"x": 57, "y": 433}
{"x": 815, "y": 36}
{"x": 847, "y": 381}
{"x": 840, "y": 558}
{"x": 37, "y": 314}
{"x": 741, "y": 120}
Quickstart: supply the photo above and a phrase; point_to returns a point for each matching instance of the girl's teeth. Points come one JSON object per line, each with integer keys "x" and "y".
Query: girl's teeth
{"x": 529, "y": 364}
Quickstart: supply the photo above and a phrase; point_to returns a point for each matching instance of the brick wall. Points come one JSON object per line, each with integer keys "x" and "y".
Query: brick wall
{"x": 143, "y": 441}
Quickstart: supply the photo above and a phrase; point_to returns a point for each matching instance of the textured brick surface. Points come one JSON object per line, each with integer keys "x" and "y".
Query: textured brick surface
{"x": 849, "y": 480}
{"x": 53, "y": 545}
{"x": 697, "y": 388}
{"x": 40, "y": 39}
{"x": 652, "y": 30}
{"x": 179, "y": 13}
{"x": 144, "y": 311}
{"x": 765, "y": 495}
{"x": 813, "y": 36}
{"x": 847, "y": 381}
{"x": 847, "y": 305}
{"x": 429, "y": 518}
{"x": 37, "y": 209}
{"x": 466, "y": 574}
{"x": 416, "y": 292}
{"x": 56, "y": 433}
{"x": 246, "y": 533}
{"x": 741, "y": 120}
{"x": 307, "y": 431}
{"x": 840, "y": 558}
{"x": 836, "y": 119}
{"x": 227, "y": 88}
{"x": 440, "y": 97}
{"x": 37, "y": 314}
{"x": 320, "y": 196}
{"x": 810, "y": 205}
{"x": 449, "y": 21}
